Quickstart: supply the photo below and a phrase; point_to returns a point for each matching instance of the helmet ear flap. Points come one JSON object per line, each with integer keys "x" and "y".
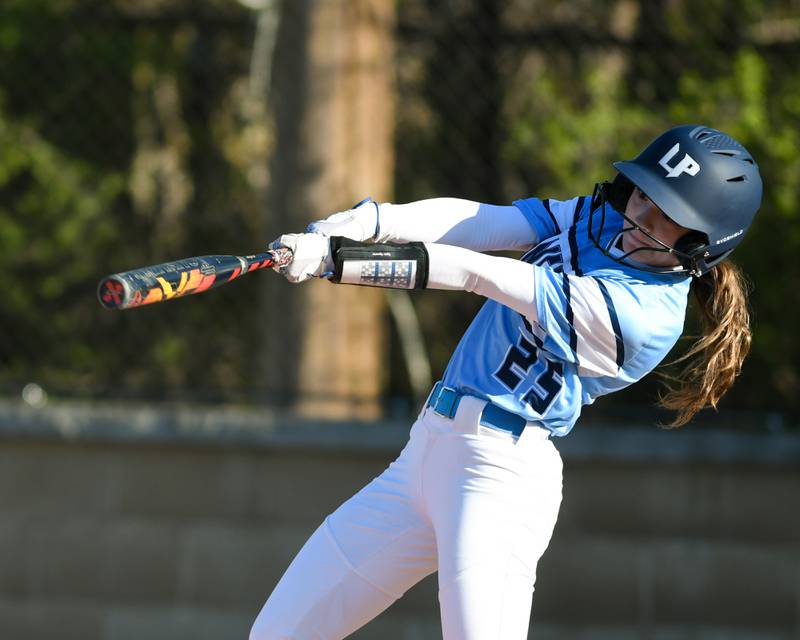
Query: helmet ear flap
{"x": 689, "y": 243}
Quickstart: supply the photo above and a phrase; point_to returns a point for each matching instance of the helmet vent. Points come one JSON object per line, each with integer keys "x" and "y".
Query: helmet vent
{"x": 737, "y": 179}
{"x": 718, "y": 142}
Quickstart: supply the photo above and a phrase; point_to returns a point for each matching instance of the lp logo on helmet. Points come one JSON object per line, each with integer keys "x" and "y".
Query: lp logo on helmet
{"x": 686, "y": 165}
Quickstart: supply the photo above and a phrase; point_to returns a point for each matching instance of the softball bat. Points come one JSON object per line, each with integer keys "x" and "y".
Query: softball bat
{"x": 179, "y": 278}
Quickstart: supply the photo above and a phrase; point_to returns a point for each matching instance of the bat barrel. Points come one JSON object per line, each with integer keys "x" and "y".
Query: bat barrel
{"x": 175, "y": 279}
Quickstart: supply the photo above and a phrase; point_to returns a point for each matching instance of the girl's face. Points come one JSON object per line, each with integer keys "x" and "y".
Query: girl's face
{"x": 649, "y": 217}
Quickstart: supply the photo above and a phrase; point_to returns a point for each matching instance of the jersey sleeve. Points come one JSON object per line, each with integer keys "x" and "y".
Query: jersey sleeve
{"x": 593, "y": 323}
{"x": 550, "y": 217}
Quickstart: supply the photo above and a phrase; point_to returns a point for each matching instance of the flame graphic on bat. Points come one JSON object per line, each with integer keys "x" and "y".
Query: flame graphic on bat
{"x": 181, "y": 278}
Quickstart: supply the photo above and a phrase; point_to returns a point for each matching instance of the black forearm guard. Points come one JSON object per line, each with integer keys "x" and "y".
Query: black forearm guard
{"x": 397, "y": 266}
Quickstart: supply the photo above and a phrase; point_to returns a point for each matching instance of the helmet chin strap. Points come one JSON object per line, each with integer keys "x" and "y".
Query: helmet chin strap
{"x": 686, "y": 263}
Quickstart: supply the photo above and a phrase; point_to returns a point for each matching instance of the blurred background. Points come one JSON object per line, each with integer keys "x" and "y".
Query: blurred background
{"x": 159, "y": 467}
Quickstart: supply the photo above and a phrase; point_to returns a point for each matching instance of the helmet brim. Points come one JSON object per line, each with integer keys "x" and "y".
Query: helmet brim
{"x": 668, "y": 200}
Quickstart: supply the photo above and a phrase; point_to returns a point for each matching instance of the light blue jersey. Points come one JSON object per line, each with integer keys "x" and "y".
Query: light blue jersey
{"x": 600, "y": 325}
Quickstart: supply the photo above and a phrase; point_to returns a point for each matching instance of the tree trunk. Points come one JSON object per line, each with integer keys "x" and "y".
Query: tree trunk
{"x": 325, "y": 345}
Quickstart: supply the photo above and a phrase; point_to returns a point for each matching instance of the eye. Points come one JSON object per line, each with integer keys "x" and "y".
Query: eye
{"x": 642, "y": 194}
{"x": 669, "y": 220}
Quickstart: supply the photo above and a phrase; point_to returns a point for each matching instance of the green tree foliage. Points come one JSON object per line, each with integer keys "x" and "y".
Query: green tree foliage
{"x": 125, "y": 140}
{"x": 128, "y": 136}
{"x": 759, "y": 103}
{"x": 54, "y": 223}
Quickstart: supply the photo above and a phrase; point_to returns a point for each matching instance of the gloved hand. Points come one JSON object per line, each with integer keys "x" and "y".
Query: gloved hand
{"x": 360, "y": 223}
{"x": 311, "y": 256}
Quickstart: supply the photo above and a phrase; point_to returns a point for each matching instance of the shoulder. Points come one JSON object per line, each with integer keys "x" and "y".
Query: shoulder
{"x": 549, "y": 216}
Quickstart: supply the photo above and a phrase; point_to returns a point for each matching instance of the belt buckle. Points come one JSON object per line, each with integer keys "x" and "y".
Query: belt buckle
{"x": 450, "y": 398}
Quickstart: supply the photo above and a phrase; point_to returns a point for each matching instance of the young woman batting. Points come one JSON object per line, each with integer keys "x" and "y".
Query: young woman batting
{"x": 597, "y": 301}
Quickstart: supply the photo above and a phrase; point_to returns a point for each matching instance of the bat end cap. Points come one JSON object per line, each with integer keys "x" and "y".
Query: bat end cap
{"x": 111, "y": 293}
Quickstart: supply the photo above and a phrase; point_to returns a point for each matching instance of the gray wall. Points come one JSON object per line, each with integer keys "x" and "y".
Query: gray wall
{"x": 131, "y": 522}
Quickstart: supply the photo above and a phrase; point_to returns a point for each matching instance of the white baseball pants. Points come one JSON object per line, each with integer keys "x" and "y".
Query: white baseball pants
{"x": 474, "y": 503}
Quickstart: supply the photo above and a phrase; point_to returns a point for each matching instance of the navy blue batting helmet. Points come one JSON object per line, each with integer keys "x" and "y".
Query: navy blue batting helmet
{"x": 703, "y": 180}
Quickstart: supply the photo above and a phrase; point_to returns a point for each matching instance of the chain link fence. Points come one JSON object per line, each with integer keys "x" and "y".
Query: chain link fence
{"x": 137, "y": 132}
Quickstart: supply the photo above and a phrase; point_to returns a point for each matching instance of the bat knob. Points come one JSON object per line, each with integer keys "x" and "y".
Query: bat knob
{"x": 282, "y": 256}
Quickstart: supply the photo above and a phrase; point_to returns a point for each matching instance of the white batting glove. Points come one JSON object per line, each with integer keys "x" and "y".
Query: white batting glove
{"x": 311, "y": 256}
{"x": 361, "y": 223}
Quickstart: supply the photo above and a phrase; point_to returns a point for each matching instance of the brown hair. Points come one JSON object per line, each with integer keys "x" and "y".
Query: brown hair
{"x": 716, "y": 357}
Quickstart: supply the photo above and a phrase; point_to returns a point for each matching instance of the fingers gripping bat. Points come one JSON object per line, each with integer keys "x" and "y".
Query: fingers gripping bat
{"x": 181, "y": 278}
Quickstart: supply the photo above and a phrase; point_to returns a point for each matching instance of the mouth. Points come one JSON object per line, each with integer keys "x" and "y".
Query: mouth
{"x": 634, "y": 244}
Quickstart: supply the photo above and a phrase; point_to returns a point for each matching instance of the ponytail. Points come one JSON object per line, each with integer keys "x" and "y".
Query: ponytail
{"x": 715, "y": 359}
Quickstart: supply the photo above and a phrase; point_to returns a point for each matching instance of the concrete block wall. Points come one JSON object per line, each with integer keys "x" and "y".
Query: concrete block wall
{"x": 116, "y": 542}
{"x": 655, "y": 547}
{"x": 120, "y": 522}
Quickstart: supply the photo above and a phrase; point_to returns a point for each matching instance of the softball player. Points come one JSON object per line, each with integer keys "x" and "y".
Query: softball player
{"x": 596, "y": 302}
